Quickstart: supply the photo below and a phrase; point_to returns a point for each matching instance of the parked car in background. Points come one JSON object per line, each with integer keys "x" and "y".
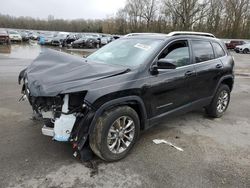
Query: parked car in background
{"x": 233, "y": 43}
{"x": 106, "y": 39}
{"x": 46, "y": 39}
{"x": 4, "y": 37}
{"x": 71, "y": 38}
{"x": 33, "y": 35}
{"x": 104, "y": 101}
{"x": 245, "y": 48}
{"x": 117, "y": 36}
{"x": 25, "y": 36}
{"x": 87, "y": 41}
{"x": 58, "y": 40}
{"x": 15, "y": 36}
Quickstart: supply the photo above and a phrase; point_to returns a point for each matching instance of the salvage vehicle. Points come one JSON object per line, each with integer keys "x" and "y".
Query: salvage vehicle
{"x": 25, "y": 36}
{"x": 4, "y": 37}
{"x": 104, "y": 101}
{"x": 15, "y": 36}
{"x": 58, "y": 40}
{"x": 33, "y": 35}
{"x": 71, "y": 38}
{"x": 87, "y": 41}
{"x": 46, "y": 39}
{"x": 105, "y": 39}
{"x": 245, "y": 48}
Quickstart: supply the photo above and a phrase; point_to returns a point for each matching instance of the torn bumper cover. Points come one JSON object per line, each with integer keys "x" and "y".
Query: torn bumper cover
{"x": 56, "y": 84}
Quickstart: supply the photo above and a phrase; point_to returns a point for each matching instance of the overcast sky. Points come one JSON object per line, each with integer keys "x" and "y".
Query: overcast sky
{"x": 66, "y": 9}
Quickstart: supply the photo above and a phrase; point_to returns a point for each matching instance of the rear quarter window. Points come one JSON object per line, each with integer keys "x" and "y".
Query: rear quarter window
{"x": 218, "y": 50}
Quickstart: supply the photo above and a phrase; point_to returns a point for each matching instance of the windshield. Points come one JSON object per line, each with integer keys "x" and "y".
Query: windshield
{"x": 126, "y": 52}
{"x": 13, "y": 32}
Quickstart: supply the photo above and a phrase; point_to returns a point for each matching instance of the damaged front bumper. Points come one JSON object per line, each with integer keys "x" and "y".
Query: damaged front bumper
{"x": 66, "y": 117}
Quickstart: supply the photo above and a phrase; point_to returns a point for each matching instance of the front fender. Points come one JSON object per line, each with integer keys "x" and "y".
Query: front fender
{"x": 93, "y": 115}
{"x": 117, "y": 102}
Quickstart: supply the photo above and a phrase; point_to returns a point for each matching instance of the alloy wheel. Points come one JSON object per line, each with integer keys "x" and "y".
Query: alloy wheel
{"x": 222, "y": 101}
{"x": 121, "y": 134}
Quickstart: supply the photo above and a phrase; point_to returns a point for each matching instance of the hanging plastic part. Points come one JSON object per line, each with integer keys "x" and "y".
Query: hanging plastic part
{"x": 64, "y": 124}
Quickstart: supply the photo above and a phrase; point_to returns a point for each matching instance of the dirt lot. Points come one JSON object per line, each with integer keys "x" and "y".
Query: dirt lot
{"x": 216, "y": 152}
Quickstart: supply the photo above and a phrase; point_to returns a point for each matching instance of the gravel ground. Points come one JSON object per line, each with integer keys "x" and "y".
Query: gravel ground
{"x": 216, "y": 152}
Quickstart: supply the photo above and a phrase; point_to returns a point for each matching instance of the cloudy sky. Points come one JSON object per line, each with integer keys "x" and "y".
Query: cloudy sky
{"x": 66, "y": 9}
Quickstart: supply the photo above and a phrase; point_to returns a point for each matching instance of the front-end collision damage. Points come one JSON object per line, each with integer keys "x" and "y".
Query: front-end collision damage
{"x": 66, "y": 117}
{"x": 56, "y": 85}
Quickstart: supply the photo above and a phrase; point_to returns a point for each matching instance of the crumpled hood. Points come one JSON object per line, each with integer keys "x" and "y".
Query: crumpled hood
{"x": 53, "y": 73}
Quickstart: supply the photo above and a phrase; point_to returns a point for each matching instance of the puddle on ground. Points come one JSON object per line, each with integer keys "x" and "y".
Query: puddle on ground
{"x": 31, "y": 50}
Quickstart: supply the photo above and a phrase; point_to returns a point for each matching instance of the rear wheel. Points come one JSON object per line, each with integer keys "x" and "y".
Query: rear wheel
{"x": 115, "y": 133}
{"x": 246, "y": 51}
{"x": 220, "y": 102}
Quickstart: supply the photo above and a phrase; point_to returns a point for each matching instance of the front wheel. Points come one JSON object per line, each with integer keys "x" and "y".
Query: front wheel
{"x": 115, "y": 133}
{"x": 220, "y": 102}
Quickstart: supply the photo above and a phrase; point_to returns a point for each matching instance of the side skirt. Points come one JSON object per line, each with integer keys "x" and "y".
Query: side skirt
{"x": 178, "y": 111}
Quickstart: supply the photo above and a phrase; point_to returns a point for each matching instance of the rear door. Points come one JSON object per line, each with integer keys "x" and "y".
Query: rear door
{"x": 208, "y": 69}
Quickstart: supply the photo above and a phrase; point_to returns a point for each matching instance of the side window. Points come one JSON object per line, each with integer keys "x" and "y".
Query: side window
{"x": 177, "y": 51}
{"x": 218, "y": 50}
{"x": 202, "y": 50}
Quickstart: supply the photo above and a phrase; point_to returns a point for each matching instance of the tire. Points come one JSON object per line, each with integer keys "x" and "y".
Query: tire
{"x": 246, "y": 51}
{"x": 105, "y": 128}
{"x": 213, "y": 110}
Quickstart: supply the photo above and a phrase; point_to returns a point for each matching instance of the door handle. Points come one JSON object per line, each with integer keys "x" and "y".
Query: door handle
{"x": 189, "y": 73}
{"x": 219, "y": 66}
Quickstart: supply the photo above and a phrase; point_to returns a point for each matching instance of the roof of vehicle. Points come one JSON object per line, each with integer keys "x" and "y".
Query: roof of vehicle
{"x": 3, "y": 32}
{"x": 13, "y": 32}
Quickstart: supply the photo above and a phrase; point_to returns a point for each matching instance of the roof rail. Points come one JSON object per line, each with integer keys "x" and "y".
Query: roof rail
{"x": 175, "y": 33}
{"x": 145, "y": 34}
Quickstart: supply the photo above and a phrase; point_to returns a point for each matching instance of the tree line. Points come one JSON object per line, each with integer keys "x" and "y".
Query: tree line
{"x": 224, "y": 18}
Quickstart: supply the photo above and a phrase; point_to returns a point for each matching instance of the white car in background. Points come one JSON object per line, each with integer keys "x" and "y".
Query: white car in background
{"x": 15, "y": 36}
{"x": 245, "y": 48}
{"x": 105, "y": 39}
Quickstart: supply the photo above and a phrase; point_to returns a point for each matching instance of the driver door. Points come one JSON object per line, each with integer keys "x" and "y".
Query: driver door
{"x": 172, "y": 88}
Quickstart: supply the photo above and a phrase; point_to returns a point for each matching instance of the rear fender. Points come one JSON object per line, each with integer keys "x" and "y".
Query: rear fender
{"x": 221, "y": 81}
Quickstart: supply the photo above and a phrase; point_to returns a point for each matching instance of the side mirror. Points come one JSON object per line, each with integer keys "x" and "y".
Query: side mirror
{"x": 166, "y": 64}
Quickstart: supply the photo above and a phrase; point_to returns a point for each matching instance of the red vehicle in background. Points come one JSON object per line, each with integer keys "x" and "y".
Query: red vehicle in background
{"x": 4, "y": 37}
{"x": 233, "y": 43}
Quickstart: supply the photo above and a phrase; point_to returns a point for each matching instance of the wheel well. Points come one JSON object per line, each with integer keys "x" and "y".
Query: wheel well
{"x": 137, "y": 107}
{"x": 138, "y": 110}
{"x": 229, "y": 82}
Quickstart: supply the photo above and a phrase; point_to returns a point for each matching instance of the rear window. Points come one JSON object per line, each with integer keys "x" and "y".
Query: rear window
{"x": 202, "y": 51}
{"x": 218, "y": 50}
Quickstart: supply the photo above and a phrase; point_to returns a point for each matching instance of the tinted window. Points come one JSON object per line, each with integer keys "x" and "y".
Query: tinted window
{"x": 178, "y": 51}
{"x": 203, "y": 51}
{"x": 218, "y": 50}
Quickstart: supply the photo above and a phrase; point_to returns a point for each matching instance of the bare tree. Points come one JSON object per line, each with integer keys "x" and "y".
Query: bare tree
{"x": 186, "y": 12}
{"x": 149, "y": 11}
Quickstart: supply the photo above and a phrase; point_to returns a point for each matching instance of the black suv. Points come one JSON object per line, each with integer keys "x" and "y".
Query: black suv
{"x": 101, "y": 103}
